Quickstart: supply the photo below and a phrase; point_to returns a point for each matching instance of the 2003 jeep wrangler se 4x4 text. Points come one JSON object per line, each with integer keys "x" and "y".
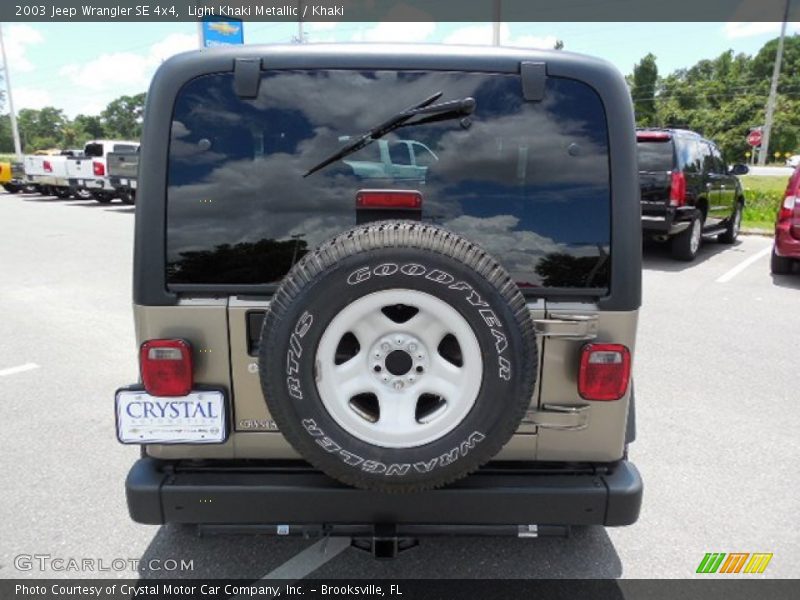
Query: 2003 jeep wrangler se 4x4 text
{"x": 386, "y": 288}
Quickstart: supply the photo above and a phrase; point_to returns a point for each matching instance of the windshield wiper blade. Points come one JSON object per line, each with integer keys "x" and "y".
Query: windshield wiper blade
{"x": 447, "y": 110}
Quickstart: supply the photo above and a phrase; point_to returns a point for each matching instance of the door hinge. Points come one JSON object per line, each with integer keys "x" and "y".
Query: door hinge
{"x": 569, "y": 327}
{"x": 565, "y": 417}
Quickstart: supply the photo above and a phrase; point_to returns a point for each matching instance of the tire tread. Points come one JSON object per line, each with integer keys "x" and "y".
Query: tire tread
{"x": 405, "y": 234}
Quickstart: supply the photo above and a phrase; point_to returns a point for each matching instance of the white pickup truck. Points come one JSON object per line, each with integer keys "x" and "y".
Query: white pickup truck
{"x": 48, "y": 172}
{"x": 91, "y": 171}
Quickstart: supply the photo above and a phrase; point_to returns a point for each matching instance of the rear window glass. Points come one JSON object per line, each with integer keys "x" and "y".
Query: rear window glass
{"x": 655, "y": 155}
{"x": 127, "y": 148}
{"x": 529, "y": 181}
{"x": 94, "y": 150}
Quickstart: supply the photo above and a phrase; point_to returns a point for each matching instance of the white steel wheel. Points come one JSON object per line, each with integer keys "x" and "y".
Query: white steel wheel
{"x": 398, "y": 368}
{"x": 697, "y": 234}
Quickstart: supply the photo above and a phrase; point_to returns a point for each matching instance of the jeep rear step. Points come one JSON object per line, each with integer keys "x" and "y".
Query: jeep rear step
{"x": 293, "y": 494}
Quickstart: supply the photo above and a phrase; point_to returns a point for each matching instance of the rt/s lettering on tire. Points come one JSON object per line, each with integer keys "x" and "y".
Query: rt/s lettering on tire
{"x": 409, "y": 355}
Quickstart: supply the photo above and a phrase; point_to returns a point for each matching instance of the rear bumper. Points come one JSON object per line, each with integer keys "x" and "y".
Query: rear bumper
{"x": 122, "y": 183}
{"x": 785, "y": 243}
{"x": 162, "y": 492}
{"x": 666, "y": 220}
{"x": 98, "y": 184}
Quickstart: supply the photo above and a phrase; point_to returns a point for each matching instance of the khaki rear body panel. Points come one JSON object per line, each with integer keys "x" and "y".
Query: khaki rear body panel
{"x": 251, "y": 408}
{"x": 217, "y": 331}
{"x": 603, "y": 439}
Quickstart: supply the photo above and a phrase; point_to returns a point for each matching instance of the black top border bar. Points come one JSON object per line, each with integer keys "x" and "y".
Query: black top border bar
{"x": 287, "y": 11}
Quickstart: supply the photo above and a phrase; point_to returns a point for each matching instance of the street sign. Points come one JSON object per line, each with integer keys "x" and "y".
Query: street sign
{"x": 222, "y": 33}
{"x": 754, "y": 138}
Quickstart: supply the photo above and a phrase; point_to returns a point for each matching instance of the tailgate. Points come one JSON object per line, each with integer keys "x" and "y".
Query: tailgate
{"x": 245, "y": 318}
{"x": 579, "y": 430}
{"x": 122, "y": 164}
{"x": 654, "y": 188}
{"x": 58, "y": 164}
{"x": 80, "y": 167}
{"x": 34, "y": 165}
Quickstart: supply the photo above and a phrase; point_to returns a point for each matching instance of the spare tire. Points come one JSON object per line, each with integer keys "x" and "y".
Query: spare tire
{"x": 398, "y": 357}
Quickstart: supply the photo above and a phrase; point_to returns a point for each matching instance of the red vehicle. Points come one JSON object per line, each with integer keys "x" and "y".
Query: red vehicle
{"x": 786, "y": 250}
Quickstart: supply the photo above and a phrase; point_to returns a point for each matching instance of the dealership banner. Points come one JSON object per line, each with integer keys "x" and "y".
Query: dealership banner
{"x": 398, "y": 10}
{"x": 228, "y": 32}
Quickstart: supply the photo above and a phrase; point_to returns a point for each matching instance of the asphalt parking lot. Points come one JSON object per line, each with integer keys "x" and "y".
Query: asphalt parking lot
{"x": 717, "y": 391}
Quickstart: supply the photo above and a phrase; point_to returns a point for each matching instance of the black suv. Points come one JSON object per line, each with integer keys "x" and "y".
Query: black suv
{"x": 688, "y": 191}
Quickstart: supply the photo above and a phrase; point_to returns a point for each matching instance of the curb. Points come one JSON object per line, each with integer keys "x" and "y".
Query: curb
{"x": 755, "y": 231}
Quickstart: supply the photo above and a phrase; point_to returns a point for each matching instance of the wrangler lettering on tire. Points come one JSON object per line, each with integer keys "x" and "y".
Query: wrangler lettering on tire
{"x": 409, "y": 357}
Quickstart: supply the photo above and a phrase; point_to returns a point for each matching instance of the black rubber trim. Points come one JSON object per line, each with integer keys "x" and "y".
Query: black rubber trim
{"x": 247, "y": 77}
{"x": 143, "y": 492}
{"x": 164, "y": 492}
{"x": 149, "y": 273}
{"x": 534, "y": 79}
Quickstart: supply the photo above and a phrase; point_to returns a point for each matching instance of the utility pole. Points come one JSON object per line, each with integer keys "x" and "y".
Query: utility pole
{"x": 12, "y": 115}
{"x": 773, "y": 92}
{"x": 496, "y": 10}
{"x": 300, "y": 33}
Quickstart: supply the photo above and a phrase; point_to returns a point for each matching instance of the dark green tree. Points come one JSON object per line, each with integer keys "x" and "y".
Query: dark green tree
{"x": 643, "y": 90}
{"x": 6, "y": 138}
{"x": 41, "y": 129}
{"x": 724, "y": 97}
{"x": 122, "y": 118}
{"x": 89, "y": 127}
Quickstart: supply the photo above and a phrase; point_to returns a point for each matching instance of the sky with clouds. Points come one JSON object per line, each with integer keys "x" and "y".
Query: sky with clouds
{"x": 81, "y": 67}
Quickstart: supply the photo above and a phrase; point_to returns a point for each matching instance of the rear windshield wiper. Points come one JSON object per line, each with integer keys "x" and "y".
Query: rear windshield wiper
{"x": 437, "y": 112}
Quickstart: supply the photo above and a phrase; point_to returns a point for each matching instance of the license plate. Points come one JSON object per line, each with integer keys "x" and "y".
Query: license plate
{"x": 198, "y": 418}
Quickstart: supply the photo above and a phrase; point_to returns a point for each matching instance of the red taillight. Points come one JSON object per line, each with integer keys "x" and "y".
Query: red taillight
{"x": 653, "y": 136}
{"x": 677, "y": 189}
{"x": 166, "y": 367}
{"x": 604, "y": 372}
{"x": 48, "y": 168}
{"x": 789, "y": 206}
{"x": 98, "y": 168}
{"x": 388, "y": 199}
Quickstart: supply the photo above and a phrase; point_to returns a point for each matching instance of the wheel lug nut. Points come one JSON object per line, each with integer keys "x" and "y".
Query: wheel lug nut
{"x": 412, "y": 347}
{"x": 398, "y": 385}
{"x": 385, "y": 346}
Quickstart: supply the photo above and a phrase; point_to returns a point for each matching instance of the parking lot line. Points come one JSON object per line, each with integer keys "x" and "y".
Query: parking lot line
{"x": 18, "y": 369}
{"x": 310, "y": 559}
{"x": 726, "y": 277}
